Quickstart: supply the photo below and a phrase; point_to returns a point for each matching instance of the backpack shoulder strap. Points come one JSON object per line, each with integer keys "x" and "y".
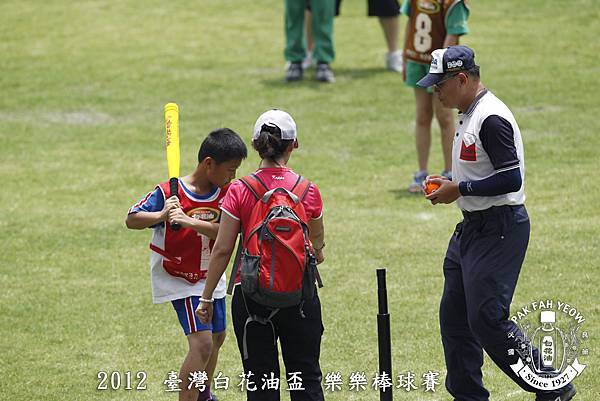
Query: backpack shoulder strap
{"x": 255, "y": 185}
{"x": 301, "y": 187}
{"x": 236, "y": 265}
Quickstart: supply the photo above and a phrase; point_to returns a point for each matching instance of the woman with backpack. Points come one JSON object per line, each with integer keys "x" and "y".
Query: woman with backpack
{"x": 279, "y": 215}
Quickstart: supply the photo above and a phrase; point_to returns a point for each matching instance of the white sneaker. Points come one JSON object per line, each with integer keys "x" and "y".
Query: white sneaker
{"x": 308, "y": 61}
{"x": 393, "y": 61}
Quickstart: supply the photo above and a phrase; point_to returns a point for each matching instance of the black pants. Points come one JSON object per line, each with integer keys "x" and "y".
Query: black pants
{"x": 300, "y": 340}
{"x": 481, "y": 269}
{"x": 383, "y": 8}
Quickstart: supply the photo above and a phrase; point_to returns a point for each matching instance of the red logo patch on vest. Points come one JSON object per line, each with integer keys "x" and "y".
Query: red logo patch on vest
{"x": 468, "y": 153}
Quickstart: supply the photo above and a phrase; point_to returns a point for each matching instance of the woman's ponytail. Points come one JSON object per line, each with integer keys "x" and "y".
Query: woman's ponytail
{"x": 269, "y": 144}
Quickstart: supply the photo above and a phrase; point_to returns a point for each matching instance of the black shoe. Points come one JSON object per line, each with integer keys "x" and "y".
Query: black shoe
{"x": 566, "y": 396}
{"x": 324, "y": 73}
{"x": 293, "y": 72}
{"x": 212, "y": 397}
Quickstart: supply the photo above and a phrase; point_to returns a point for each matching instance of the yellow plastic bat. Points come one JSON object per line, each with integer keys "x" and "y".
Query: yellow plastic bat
{"x": 172, "y": 129}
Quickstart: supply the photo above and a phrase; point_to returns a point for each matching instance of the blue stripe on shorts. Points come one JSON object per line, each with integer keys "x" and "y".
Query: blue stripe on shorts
{"x": 186, "y": 307}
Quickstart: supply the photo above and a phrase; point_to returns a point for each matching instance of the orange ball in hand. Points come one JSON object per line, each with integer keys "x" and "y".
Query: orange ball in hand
{"x": 430, "y": 187}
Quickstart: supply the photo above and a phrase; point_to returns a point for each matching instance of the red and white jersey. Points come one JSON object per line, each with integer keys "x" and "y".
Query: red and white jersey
{"x": 179, "y": 259}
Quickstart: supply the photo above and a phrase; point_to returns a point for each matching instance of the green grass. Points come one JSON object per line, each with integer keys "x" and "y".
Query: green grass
{"x": 83, "y": 85}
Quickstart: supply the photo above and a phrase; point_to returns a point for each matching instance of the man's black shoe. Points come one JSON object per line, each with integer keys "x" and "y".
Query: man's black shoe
{"x": 566, "y": 396}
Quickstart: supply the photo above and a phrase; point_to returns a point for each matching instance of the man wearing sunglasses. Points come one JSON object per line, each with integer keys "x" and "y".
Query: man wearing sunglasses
{"x": 487, "y": 249}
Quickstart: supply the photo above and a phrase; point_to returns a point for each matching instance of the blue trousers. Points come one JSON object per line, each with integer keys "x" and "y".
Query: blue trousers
{"x": 481, "y": 269}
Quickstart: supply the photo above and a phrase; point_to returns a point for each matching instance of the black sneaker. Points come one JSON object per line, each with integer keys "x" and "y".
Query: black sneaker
{"x": 324, "y": 73}
{"x": 566, "y": 396}
{"x": 212, "y": 397}
{"x": 293, "y": 72}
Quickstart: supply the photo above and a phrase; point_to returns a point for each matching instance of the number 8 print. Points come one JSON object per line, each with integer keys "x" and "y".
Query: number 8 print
{"x": 422, "y": 38}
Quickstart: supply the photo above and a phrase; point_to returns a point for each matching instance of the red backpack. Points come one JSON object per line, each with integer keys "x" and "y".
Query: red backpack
{"x": 278, "y": 268}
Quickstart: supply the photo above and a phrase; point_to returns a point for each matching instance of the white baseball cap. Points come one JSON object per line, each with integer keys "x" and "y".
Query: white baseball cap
{"x": 276, "y": 118}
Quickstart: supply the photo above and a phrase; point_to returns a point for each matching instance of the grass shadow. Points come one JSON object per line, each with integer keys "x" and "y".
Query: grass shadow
{"x": 360, "y": 73}
{"x": 341, "y": 74}
{"x": 404, "y": 194}
{"x": 307, "y": 82}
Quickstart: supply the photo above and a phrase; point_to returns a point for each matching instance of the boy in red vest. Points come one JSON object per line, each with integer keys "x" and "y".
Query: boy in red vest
{"x": 179, "y": 258}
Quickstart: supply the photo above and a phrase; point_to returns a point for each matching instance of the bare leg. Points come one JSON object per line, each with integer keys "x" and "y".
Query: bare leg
{"x": 307, "y": 62}
{"x": 445, "y": 119}
{"x": 200, "y": 345}
{"x": 423, "y": 126}
{"x": 218, "y": 340}
{"x": 310, "y": 42}
{"x": 390, "y": 31}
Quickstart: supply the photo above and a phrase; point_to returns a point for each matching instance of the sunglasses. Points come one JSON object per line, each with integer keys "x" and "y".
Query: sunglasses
{"x": 449, "y": 77}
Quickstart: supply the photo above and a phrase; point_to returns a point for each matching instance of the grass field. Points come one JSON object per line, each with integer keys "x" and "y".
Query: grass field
{"x": 82, "y": 90}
